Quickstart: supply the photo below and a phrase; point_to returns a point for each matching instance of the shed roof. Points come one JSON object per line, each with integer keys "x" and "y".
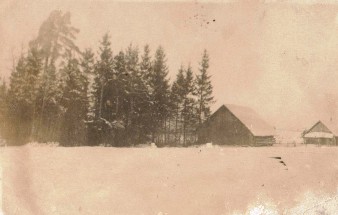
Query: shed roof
{"x": 251, "y": 120}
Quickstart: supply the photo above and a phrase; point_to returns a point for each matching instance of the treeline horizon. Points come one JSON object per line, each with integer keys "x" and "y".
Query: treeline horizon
{"x": 58, "y": 93}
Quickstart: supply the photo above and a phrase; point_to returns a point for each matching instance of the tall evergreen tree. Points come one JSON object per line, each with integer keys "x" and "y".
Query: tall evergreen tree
{"x": 104, "y": 92}
{"x": 138, "y": 93}
{"x": 177, "y": 99}
{"x": 188, "y": 110}
{"x": 146, "y": 72}
{"x": 132, "y": 86}
{"x": 34, "y": 68}
{"x": 119, "y": 87}
{"x": 48, "y": 107}
{"x": 120, "y": 101}
{"x": 87, "y": 68}
{"x": 19, "y": 107}
{"x": 104, "y": 74}
{"x": 143, "y": 98}
{"x": 146, "y": 65}
{"x": 184, "y": 103}
{"x": 160, "y": 92}
{"x": 204, "y": 89}
{"x": 74, "y": 102}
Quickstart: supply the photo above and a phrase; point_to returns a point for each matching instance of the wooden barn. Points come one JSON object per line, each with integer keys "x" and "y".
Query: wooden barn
{"x": 236, "y": 125}
{"x": 322, "y": 134}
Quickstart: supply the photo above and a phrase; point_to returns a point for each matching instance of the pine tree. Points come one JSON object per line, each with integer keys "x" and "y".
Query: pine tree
{"x": 56, "y": 36}
{"x": 203, "y": 90}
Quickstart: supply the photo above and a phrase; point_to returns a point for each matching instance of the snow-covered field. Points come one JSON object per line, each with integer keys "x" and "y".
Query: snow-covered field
{"x": 84, "y": 180}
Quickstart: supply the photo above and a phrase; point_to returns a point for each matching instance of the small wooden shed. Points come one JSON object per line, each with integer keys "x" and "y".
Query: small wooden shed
{"x": 236, "y": 125}
{"x": 322, "y": 134}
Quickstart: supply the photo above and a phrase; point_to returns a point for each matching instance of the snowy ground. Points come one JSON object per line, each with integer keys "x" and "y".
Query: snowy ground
{"x": 56, "y": 180}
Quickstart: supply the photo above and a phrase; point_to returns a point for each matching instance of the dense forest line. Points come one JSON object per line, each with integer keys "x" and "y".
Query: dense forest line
{"x": 59, "y": 93}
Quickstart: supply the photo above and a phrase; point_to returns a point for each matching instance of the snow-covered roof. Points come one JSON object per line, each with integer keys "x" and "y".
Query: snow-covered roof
{"x": 251, "y": 120}
{"x": 318, "y": 135}
{"x": 332, "y": 126}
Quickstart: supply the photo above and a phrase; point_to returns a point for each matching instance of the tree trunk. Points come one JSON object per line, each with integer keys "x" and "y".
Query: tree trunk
{"x": 101, "y": 101}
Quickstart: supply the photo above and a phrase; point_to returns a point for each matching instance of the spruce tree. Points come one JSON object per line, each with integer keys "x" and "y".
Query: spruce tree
{"x": 138, "y": 94}
{"x": 48, "y": 106}
{"x": 87, "y": 67}
{"x": 104, "y": 74}
{"x": 132, "y": 86}
{"x": 146, "y": 72}
{"x": 188, "y": 110}
{"x": 204, "y": 90}
{"x": 120, "y": 105}
{"x": 160, "y": 93}
{"x": 103, "y": 92}
{"x": 74, "y": 103}
{"x": 177, "y": 98}
{"x": 119, "y": 87}
{"x": 34, "y": 68}
{"x": 146, "y": 66}
{"x": 19, "y": 107}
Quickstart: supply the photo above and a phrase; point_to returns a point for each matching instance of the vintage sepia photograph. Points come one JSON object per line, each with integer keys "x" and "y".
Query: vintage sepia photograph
{"x": 168, "y": 107}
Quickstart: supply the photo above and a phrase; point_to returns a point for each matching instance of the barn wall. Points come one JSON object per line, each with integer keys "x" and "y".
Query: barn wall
{"x": 225, "y": 129}
{"x": 319, "y": 141}
{"x": 265, "y": 141}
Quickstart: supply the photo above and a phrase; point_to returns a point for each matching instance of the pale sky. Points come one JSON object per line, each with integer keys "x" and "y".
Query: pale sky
{"x": 281, "y": 59}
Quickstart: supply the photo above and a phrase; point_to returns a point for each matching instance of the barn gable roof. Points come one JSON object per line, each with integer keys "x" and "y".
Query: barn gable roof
{"x": 331, "y": 126}
{"x": 250, "y": 119}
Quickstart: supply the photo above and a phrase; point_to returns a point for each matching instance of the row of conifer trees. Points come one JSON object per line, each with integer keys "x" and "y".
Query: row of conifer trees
{"x": 59, "y": 93}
